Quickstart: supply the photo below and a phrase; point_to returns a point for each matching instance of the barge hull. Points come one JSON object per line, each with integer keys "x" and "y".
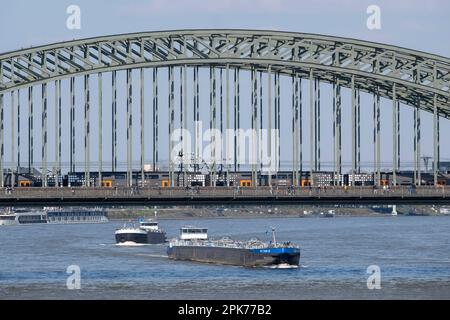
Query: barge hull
{"x": 149, "y": 238}
{"x": 156, "y": 237}
{"x": 235, "y": 256}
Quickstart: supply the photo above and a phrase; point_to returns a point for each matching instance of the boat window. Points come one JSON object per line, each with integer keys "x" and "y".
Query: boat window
{"x": 194, "y": 230}
{"x": 7, "y": 217}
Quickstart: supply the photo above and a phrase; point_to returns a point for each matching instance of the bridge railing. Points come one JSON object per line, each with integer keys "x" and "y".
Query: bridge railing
{"x": 221, "y": 192}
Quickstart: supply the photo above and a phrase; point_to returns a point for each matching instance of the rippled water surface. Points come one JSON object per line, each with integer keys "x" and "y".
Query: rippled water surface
{"x": 413, "y": 254}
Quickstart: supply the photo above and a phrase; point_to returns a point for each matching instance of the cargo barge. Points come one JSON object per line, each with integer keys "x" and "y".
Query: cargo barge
{"x": 194, "y": 245}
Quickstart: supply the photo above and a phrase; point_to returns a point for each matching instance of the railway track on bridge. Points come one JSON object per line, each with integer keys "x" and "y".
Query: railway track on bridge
{"x": 221, "y": 196}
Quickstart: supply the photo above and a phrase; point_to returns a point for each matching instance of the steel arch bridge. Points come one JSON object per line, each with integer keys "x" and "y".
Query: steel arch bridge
{"x": 418, "y": 79}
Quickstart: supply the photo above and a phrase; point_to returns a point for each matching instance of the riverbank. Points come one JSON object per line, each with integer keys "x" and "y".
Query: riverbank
{"x": 188, "y": 212}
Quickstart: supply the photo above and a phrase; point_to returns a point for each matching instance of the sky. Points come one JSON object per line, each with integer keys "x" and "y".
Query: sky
{"x": 415, "y": 24}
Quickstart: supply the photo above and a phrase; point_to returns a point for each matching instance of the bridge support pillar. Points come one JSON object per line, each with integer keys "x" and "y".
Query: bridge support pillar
{"x": 141, "y": 126}
{"x": 317, "y": 142}
{"x": 276, "y": 118}
{"x": 58, "y": 128}
{"x": 129, "y": 120}
{"x": 438, "y": 159}
{"x": 435, "y": 140}
{"x": 18, "y": 134}
{"x": 221, "y": 120}
{"x": 354, "y": 125}
{"x": 197, "y": 134}
{"x": 254, "y": 115}
{"x": 294, "y": 152}
{"x": 171, "y": 120}
{"x": 2, "y": 138}
{"x": 417, "y": 138}
{"x": 378, "y": 161}
{"x": 212, "y": 122}
{"x": 398, "y": 136}
{"x": 394, "y": 136}
{"x": 419, "y": 151}
{"x": 13, "y": 135}
{"x": 30, "y": 129}
{"x": 155, "y": 119}
{"x": 315, "y": 135}
{"x": 72, "y": 124}
{"x": 259, "y": 158}
{"x": 269, "y": 126}
{"x": 436, "y": 133}
{"x": 44, "y": 134}
{"x": 100, "y": 128}
{"x": 337, "y": 136}
{"x": 376, "y": 138}
{"x": 227, "y": 119}
{"x": 87, "y": 102}
{"x": 236, "y": 120}
{"x": 114, "y": 122}
{"x": 183, "y": 119}
{"x": 295, "y": 140}
{"x": 300, "y": 128}
{"x": 334, "y": 134}
{"x": 312, "y": 138}
{"x": 358, "y": 131}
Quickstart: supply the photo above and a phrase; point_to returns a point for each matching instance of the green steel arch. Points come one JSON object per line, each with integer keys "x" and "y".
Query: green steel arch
{"x": 373, "y": 66}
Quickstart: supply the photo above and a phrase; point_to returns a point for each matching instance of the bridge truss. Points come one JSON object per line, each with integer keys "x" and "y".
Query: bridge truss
{"x": 418, "y": 79}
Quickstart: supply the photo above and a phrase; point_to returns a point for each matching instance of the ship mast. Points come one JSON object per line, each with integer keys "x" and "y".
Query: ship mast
{"x": 273, "y": 236}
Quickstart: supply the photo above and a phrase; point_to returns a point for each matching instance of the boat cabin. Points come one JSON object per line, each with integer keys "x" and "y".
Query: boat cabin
{"x": 193, "y": 233}
{"x": 149, "y": 225}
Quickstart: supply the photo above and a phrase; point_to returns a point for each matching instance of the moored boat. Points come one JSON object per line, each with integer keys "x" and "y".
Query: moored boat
{"x": 52, "y": 216}
{"x": 329, "y": 214}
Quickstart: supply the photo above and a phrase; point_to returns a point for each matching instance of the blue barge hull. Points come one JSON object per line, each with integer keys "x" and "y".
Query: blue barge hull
{"x": 236, "y": 256}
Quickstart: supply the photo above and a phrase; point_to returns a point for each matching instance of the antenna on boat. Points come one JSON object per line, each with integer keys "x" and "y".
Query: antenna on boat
{"x": 273, "y": 235}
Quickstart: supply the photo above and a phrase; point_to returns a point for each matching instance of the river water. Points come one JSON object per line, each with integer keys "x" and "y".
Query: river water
{"x": 413, "y": 254}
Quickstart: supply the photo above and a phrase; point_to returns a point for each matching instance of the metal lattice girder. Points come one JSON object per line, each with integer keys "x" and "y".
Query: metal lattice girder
{"x": 373, "y": 65}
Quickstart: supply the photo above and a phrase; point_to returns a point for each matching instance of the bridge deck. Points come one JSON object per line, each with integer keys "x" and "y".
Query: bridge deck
{"x": 222, "y": 195}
